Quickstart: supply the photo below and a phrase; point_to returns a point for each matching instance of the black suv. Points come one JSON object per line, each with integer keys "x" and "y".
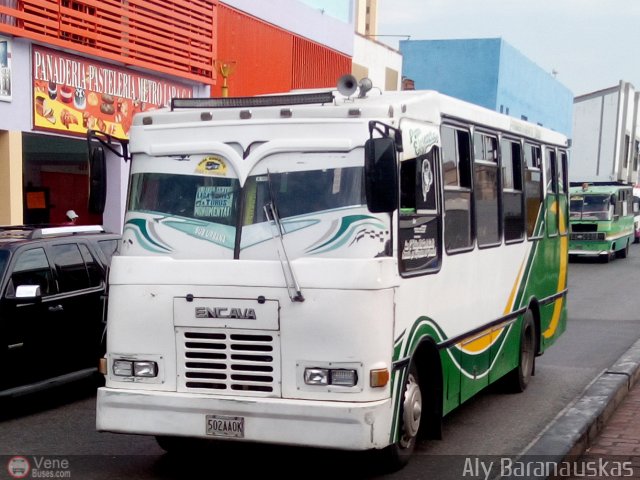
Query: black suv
{"x": 53, "y": 285}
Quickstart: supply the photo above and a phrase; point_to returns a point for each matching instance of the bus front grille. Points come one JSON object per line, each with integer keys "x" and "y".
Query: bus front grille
{"x": 227, "y": 361}
{"x": 590, "y": 236}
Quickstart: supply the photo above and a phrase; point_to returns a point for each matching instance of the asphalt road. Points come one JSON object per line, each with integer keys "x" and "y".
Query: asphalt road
{"x": 604, "y": 321}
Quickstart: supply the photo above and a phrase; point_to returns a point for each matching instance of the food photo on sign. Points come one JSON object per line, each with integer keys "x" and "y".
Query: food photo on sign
{"x": 73, "y": 94}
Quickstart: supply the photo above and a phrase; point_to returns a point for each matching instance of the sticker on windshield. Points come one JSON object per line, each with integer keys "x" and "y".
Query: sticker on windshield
{"x": 212, "y": 165}
{"x": 213, "y": 202}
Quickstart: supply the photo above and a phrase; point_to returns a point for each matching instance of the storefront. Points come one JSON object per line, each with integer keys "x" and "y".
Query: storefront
{"x": 65, "y": 95}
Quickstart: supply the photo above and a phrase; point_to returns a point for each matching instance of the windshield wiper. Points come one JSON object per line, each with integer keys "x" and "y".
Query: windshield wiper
{"x": 271, "y": 212}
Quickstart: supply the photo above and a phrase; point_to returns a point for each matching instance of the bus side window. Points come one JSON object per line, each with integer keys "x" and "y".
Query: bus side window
{"x": 512, "y": 196}
{"x": 456, "y": 160}
{"x": 562, "y": 192}
{"x": 408, "y": 186}
{"x": 533, "y": 189}
{"x": 486, "y": 183}
{"x": 552, "y": 193}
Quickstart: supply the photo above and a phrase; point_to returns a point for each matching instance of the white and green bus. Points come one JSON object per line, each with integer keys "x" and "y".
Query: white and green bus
{"x": 601, "y": 220}
{"x": 329, "y": 269}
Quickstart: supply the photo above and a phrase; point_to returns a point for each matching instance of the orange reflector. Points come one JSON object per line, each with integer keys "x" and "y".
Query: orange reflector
{"x": 379, "y": 378}
{"x": 102, "y": 366}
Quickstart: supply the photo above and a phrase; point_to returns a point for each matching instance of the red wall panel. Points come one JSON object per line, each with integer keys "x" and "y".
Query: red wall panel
{"x": 315, "y": 66}
{"x": 261, "y": 52}
{"x": 270, "y": 60}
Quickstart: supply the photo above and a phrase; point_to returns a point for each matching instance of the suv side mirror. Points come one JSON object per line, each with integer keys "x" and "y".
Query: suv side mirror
{"x": 97, "y": 179}
{"x": 381, "y": 175}
{"x": 28, "y": 293}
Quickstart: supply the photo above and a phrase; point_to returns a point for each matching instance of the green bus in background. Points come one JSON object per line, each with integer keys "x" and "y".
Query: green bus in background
{"x": 601, "y": 219}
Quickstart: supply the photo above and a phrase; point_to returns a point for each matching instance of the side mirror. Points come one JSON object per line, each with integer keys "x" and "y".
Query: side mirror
{"x": 28, "y": 294}
{"x": 381, "y": 175}
{"x": 97, "y": 179}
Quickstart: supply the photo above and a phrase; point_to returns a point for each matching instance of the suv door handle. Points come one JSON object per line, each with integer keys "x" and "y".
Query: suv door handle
{"x": 57, "y": 308}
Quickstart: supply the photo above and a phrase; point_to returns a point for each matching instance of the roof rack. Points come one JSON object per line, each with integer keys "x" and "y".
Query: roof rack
{"x": 257, "y": 101}
{"x": 72, "y": 229}
{"x": 42, "y": 231}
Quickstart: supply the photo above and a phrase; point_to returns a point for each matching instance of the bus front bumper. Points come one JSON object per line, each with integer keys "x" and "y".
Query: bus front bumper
{"x": 339, "y": 425}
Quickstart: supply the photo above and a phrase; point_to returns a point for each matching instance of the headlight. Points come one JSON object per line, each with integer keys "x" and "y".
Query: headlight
{"x": 324, "y": 376}
{"x": 344, "y": 378}
{"x": 123, "y": 368}
{"x": 316, "y": 376}
{"x": 129, "y": 368}
{"x": 145, "y": 369}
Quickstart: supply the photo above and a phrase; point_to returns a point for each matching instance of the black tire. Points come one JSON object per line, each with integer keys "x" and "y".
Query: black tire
{"x": 517, "y": 380}
{"x": 397, "y": 455}
{"x": 624, "y": 253}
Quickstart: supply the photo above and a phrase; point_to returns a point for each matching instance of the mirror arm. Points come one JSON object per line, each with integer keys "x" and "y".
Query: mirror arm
{"x": 105, "y": 140}
{"x": 386, "y": 131}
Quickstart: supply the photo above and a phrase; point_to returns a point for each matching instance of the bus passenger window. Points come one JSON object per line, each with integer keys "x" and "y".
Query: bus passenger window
{"x": 552, "y": 193}
{"x": 456, "y": 155}
{"x": 533, "y": 189}
{"x": 486, "y": 189}
{"x": 562, "y": 193}
{"x": 512, "y": 197}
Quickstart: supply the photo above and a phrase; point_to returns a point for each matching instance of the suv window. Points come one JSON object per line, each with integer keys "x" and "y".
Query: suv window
{"x": 108, "y": 247}
{"x": 4, "y": 256}
{"x": 32, "y": 268}
{"x": 94, "y": 270}
{"x": 72, "y": 271}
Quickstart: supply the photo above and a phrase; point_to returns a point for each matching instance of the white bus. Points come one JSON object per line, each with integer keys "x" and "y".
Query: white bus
{"x": 329, "y": 269}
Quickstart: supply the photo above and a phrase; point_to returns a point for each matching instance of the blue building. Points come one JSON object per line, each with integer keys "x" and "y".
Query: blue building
{"x": 491, "y": 73}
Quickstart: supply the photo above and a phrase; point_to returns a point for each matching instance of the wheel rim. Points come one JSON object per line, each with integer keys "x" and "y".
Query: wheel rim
{"x": 412, "y": 412}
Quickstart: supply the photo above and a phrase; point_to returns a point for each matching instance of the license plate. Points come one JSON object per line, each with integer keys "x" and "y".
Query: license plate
{"x": 223, "y": 426}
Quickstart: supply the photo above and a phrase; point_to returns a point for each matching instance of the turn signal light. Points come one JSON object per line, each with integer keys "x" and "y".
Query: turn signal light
{"x": 379, "y": 377}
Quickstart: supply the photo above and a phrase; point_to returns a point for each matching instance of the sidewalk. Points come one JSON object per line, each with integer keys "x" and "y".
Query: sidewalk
{"x": 600, "y": 433}
{"x": 621, "y": 434}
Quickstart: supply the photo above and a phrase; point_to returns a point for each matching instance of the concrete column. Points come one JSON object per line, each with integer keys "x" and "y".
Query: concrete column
{"x": 11, "y": 178}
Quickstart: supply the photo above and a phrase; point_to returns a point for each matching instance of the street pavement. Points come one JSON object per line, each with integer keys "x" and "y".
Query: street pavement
{"x": 599, "y": 435}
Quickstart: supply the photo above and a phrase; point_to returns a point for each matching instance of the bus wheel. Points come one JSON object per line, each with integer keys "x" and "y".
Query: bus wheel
{"x": 397, "y": 455}
{"x": 518, "y": 379}
{"x": 624, "y": 253}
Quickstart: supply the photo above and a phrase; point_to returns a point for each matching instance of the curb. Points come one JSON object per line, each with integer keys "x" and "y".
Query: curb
{"x": 576, "y": 429}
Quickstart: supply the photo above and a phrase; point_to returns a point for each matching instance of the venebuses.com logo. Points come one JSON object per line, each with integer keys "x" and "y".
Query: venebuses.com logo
{"x": 18, "y": 467}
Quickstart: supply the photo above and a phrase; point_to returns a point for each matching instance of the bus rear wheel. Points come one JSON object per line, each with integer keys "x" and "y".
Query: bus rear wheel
{"x": 397, "y": 455}
{"x": 518, "y": 379}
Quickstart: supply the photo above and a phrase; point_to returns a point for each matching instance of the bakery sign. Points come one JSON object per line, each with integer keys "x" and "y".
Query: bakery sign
{"x": 74, "y": 94}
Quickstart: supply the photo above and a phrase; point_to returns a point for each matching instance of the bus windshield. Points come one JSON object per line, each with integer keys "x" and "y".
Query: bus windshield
{"x": 205, "y": 198}
{"x": 303, "y": 192}
{"x": 590, "y": 207}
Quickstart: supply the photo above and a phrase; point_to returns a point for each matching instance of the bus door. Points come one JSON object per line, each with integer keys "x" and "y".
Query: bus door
{"x": 420, "y": 221}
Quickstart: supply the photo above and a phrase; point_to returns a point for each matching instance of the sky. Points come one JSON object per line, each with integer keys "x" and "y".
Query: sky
{"x": 590, "y": 44}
